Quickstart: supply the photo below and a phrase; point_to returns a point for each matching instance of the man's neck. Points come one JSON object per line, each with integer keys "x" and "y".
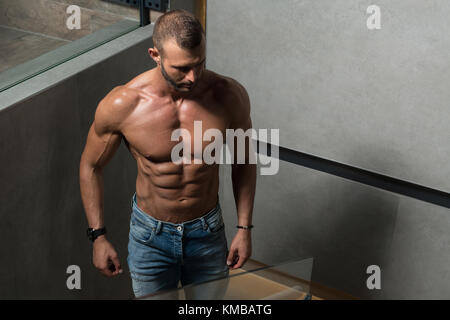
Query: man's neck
{"x": 177, "y": 95}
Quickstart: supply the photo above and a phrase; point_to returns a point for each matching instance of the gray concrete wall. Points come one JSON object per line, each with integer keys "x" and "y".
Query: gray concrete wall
{"x": 374, "y": 99}
{"x": 41, "y": 137}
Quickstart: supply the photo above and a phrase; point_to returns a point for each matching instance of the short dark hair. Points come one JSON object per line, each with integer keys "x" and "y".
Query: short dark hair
{"x": 180, "y": 25}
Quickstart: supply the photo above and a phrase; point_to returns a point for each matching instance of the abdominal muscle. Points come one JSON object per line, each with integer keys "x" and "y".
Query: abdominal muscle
{"x": 176, "y": 192}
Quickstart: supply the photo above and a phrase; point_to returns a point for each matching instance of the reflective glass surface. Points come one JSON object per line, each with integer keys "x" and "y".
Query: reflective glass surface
{"x": 285, "y": 281}
{"x": 38, "y": 35}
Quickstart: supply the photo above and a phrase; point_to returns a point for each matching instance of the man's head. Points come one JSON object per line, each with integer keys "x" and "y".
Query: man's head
{"x": 179, "y": 51}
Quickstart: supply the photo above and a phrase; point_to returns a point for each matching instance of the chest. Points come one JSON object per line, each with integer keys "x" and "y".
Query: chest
{"x": 153, "y": 130}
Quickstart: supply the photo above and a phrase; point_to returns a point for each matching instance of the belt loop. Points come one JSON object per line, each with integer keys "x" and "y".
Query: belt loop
{"x": 158, "y": 227}
{"x": 204, "y": 223}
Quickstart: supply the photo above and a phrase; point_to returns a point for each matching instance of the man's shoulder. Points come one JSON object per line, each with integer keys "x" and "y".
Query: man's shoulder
{"x": 121, "y": 99}
{"x": 233, "y": 96}
{"x": 232, "y": 90}
{"x": 229, "y": 91}
{"x": 224, "y": 84}
{"x": 114, "y": 108}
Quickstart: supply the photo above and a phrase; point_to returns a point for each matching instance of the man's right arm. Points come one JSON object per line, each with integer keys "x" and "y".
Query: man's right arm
{"x": 103, "y": 140}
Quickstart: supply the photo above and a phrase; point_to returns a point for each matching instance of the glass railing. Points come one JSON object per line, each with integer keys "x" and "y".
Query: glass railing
{"x": 38, "y": 35}
{"x": 285, "y": 281}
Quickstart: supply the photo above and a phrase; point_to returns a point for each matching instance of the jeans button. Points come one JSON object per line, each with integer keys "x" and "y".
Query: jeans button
{"x": 179, "y": 228}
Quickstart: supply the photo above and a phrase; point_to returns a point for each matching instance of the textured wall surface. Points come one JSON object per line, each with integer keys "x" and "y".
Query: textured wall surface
{"x": 375, "y": 99}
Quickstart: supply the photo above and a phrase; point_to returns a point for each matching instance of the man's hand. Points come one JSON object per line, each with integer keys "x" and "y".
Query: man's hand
{"x": 105, "y": 258}
{"x": 240, "y": 250}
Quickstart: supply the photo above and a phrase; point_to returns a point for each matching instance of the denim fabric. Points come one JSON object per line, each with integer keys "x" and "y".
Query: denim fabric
{"x": 162, "y": 254}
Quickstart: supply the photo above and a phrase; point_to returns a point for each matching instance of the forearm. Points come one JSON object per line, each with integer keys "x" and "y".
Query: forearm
{"x": 91, "y": 188}
{"x": 244, "y": 185}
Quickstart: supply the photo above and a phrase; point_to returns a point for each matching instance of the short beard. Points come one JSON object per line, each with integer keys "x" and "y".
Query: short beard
{"x": 168, "y": 79}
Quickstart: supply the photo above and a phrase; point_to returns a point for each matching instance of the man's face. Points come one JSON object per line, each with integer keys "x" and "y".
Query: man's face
{"x": 182, "y": 68}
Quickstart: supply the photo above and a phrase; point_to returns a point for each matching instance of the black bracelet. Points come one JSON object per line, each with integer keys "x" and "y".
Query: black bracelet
{"x": 245, "y": 227}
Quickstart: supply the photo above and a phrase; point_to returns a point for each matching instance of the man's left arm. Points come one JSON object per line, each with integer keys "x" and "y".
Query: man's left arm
{"x": 244, "y": 182}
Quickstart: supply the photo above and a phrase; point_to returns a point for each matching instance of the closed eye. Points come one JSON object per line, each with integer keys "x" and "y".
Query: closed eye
{"x": 186, "y": 69}
{"x": 182, "y": 69}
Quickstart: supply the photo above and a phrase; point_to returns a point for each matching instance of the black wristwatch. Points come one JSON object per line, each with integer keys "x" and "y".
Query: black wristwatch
{"x": 95, "y": 233}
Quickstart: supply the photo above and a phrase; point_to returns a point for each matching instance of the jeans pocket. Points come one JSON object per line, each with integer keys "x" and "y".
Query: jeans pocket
{"x": 141, "y": 232}
{"x": 216, "y": 225}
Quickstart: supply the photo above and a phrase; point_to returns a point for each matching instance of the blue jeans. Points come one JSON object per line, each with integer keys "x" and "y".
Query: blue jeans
{"x": 162, "y": 254}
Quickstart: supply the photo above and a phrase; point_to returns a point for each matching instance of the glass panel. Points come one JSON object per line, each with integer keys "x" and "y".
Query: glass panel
{"x": 38, "y": 35}
{"x": 286, "y": 281}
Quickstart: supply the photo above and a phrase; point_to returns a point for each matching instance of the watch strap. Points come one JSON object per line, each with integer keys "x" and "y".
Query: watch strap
{"x": 95, "y": 233}
{"x": 245, "y": 227}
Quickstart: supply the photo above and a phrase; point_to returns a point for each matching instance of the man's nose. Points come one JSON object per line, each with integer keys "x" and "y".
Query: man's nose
{"x": 191, "y": 76}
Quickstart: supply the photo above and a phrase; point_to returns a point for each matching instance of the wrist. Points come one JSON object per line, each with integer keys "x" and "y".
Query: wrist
{"x": 100, "y": 238}
{"x": 100, "y": 242}
{"x": 243, "y": 233}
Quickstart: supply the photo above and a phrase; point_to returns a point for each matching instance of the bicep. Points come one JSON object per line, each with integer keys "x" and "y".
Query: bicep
{"x": 100, "y": 146}
{"x": 104, "y": 135}
{"x": 241, "y": 108}
{"x": 242, "y": 121}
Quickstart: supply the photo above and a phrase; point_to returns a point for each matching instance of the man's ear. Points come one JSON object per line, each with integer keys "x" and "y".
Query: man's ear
{"x": 154, "y": 54}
